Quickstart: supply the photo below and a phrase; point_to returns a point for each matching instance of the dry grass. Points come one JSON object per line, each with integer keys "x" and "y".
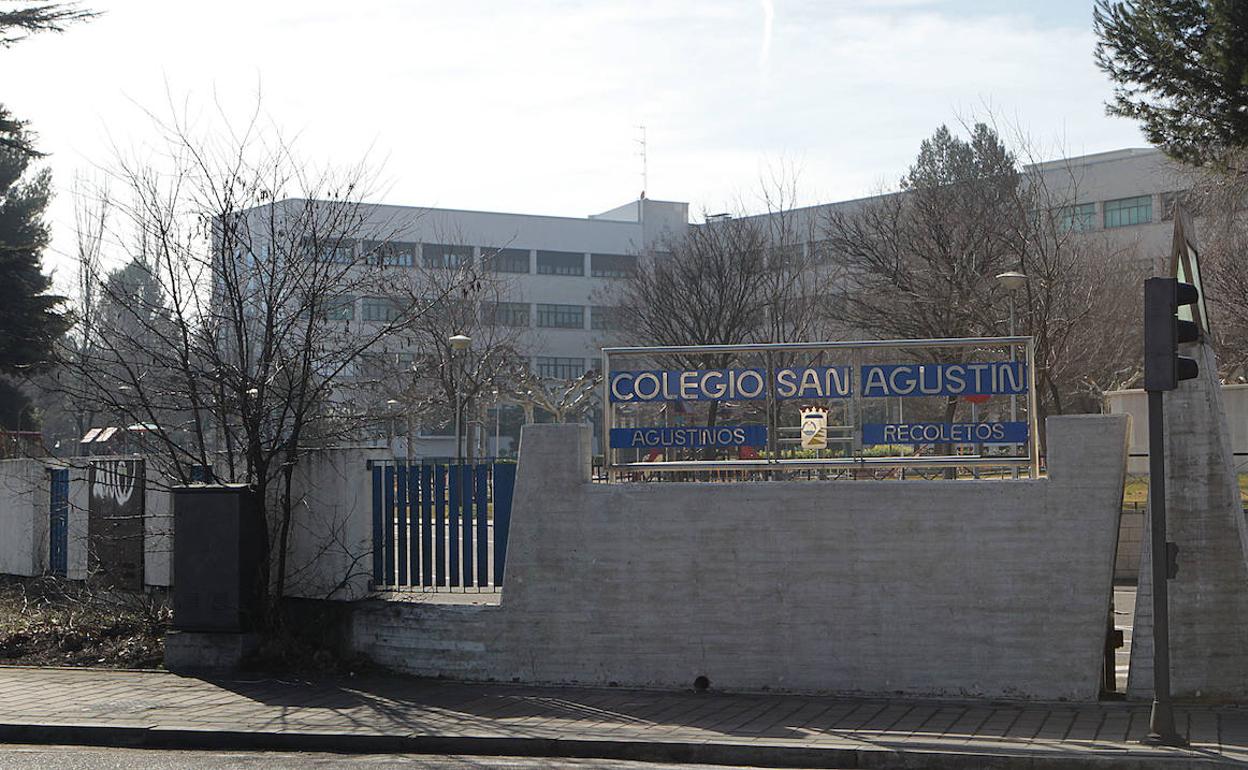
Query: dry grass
{"x": 53, "y": 622}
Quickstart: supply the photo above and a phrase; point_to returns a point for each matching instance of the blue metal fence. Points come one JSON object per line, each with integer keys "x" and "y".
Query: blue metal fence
{"x": 58, "y": 529}
{"x": 441, "y": 526}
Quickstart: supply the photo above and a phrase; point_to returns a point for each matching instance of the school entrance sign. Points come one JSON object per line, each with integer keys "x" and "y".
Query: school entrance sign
{"x": 822, "y": 405}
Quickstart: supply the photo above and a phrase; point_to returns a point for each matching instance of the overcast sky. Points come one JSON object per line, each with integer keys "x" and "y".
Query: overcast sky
{"x": 531, "y": 106}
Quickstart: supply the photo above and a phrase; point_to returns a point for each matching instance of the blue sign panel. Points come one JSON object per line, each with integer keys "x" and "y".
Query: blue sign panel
{"x": 692, "y": 385}
{"x": 692, "y": 437}
{"x": 945, "y": 432}
{"x": 982, "y": 379}
{"x": 813, "y": 382}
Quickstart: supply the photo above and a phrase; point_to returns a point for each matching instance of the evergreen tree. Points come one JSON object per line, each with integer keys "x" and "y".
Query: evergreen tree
{"x": 1181, "y": 69}
{"x": 30, "y": 322}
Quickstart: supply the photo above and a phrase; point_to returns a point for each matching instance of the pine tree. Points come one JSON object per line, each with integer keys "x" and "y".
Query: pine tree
{"x": 30, "y": 322}
{"x": 1181, "y": 69}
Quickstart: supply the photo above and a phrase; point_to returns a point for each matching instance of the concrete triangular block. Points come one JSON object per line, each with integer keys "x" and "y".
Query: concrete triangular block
{"x": 1205, "y": 518}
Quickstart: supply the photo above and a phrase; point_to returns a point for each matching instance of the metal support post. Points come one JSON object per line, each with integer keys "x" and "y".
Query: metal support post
{"x": 1161, "y": 728}
{"x": 1014, "y": 397}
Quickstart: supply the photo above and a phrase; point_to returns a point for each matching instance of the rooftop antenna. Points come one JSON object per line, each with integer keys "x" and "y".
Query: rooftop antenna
{"x": 645, "y": 182}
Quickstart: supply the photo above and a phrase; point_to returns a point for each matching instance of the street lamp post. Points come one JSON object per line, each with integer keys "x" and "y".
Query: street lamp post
{"x": 498, "y": 408}
{"x": 1013, "y": 281}
{"x": 393, "y": 405}
{"x": 459, "y": 344}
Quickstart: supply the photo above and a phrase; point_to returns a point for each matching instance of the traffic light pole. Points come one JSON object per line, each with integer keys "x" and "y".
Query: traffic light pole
{"x": 1161, "y": 723}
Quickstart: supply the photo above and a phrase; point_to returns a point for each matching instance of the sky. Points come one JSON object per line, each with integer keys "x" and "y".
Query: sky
{"x": 534, "y": 106}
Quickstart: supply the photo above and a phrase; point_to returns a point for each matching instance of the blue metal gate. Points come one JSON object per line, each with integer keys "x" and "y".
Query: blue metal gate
{"x": 441, "y": 526}
{"x": 58, "y": 529}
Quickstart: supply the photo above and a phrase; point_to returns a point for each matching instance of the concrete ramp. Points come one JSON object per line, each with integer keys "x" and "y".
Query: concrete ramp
{"x": 956, "y": 588}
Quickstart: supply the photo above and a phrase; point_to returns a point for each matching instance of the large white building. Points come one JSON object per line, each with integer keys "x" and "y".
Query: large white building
{"x": 560, "y": 270}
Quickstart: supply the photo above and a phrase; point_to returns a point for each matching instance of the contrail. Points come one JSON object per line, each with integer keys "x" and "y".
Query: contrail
{"x": 769, "y": 15}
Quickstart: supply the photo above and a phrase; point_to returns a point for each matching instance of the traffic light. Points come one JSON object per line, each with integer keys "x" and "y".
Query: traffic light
{"x": 1164, "y": 331}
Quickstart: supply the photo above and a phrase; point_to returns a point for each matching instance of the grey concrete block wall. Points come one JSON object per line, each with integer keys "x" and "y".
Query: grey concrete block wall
{"x": 1205, "y": 517}
{"x": 996, "y": 588}
{"x": 331, "y": 539}
{"x": 23, "y": 517}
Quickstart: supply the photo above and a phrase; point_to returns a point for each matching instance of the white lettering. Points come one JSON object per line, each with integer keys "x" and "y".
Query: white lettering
{"x": 786, "y": 387}
{"x": 834, "y": 383}
{"x": 615, "y": 387}
{"x": 757, "y": 381}
{"x": 894, "y": 384}
{"x": 810, "y": 382}
{"x": 714, "y": 391}
{"x": 688, "y": 386}
{"x": 650, "y": 379}
{"x": 875, "y": 382}
{"x": 1015, "y": 374}
{"x": 955, "y": 380}
{"x": 978, "y": 370}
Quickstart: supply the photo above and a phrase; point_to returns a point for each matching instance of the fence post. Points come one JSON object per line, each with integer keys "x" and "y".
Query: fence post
{"x": 378, "y": 551}
{"x": 504, "y": 486}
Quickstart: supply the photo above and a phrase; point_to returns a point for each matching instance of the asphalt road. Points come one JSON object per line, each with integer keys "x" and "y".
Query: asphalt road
{"x": 88, "y": 758}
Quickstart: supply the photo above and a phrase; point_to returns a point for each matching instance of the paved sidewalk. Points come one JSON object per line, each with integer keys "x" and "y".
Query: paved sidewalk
{"x": 393, "y": 713}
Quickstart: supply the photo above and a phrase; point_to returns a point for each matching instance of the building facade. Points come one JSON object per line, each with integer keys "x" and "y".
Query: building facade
{"x": 559, "y": 272}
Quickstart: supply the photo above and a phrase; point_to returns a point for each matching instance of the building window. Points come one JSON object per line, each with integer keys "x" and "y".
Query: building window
{"x": 507, "y": 314}
{"x": 340, "y": 309}
{"x": 560, "y": 263}
{"x": 391, "y": 253}
{"x": 561, "y": 316}
{"x": 559, "y": 368}
{"x": 435, "y": 255}
{"x": 380, "y": 309}
{"x": 1129, "y": 211}
{"x": 612, "y": 265}
{"x": 506, "y": 260}
{"x": 785, "y": 256}
{"x": 1078, "y": 218}
{"x": 604, "y": 318}
{"x": 820, "y": 252}
{"x": 338, "y": 251}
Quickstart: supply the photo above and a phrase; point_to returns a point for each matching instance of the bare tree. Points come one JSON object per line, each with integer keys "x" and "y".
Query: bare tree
{"x": 733, "y": 280}
{"x": 1081, "y": 300}
{"x": 563, "y": 400}
{"x": 247, "y": 355}
{"x": 922, "y": 263}
{"x": 462, "y": 295}
{"x": 1219, "y": 199}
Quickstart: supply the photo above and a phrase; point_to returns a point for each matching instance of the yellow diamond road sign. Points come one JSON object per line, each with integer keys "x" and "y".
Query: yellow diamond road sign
{"x": 814, "y": 428}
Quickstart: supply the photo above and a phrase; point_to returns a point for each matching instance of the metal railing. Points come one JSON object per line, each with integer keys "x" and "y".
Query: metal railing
{"x": 439, "y": 527}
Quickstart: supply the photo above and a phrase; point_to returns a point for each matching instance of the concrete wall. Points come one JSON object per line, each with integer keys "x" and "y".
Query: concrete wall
{"x": 331, "y": 543}
{"x": 1135, "y": 403}
{"x": 157, "y": 530}
{"x": 331, "y": 535}
{"x": 1130, "y": 542}
{"x": 995, "y": 588}
{"x": 76, "y": 568}
{"x": 23, "y": 517}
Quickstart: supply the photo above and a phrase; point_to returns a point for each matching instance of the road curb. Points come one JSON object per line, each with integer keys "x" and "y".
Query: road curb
{"x": 122, "y": 736}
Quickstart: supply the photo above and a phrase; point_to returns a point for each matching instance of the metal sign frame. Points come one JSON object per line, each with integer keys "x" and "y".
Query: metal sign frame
{"x": 1031, "y": 460}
